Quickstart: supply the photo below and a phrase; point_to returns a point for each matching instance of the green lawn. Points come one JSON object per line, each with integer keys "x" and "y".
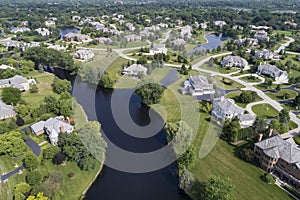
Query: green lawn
{"x": 251, "y": 79}
{"x": 226, "y": 83}
{"x": 279, "y": 95}
{"x": 265, "y": 110}
{"x": 235, "y": 95}
{"x": 223, "y": 161}
{"x": 242, "y": 73}
{"x": 44, "y": 82}
{"x": 80, "y": 116}
{"x": 217, "y": 68}
{"x": 273, "y": 86}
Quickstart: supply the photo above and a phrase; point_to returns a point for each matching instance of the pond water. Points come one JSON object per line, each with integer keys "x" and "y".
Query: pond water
{"x": 112, "y": 184}
{"x": 65, "y": 31}
{"x": 213, "y": 41}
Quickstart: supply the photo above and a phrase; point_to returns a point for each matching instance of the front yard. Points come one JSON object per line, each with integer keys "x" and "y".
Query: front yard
{"x": 265, "y": 110}
{"x": 281, "y": 95}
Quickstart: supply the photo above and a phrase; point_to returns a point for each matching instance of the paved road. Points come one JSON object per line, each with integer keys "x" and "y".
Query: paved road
{"x": 283, "y": 46}
{"x": 8, "y": 175}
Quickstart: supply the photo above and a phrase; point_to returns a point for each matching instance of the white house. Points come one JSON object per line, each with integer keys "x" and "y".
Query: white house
{"x": 186, "y": 32}
{"x": 266, "y": 55}
{"x": 52, "y": 127}
{"x": 6, "y": 67}
{"x": 197, "y": 85}
{"x": 134, "y": 70}
{"x": 84, "y": 54}
{"x": 19, "y": 30}
{"x": 219, "y": 23}
{"x": 49, "y": 23}
{"x": 271, "y": 70}
{"x": 224, "y": 109}
{"x": 261, "y": 35}
{"x": 43, "y": 31}
{"x": 17, "y": 82}
{"x": 234, "y": 61}
{"x": 132, "y": 38}
{"x": 158, "y": 48}
{"x": 130, "y": 26}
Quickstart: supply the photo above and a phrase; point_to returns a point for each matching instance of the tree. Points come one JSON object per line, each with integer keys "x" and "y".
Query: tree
{"x": 33, "y": 178}
{"x": 286, "y": 95}
{"x": 71, "y": 152}
{"x": 188, "y": 159}
{"x": 206, "y": 106}
{"x": 268, "y": 82}
{"x": 87, "y": 163}
{"x": 275, "y": 125}
{"x": 268, "y": 178}
{"x": 39, "y": 196}
{"x": 246, "y": 97}
{"x": 278, "y": 88}
{"x": 50, "y": 152}
{"x": 247, "y": 154}
{"x": 21, "y": 189}
{"x": 30, "y": 161}
{"x": 12, "y": 144}
{"x": 11, "y": 95}
{"x": 217, "y": 188}
{"x": 150, "y": 93}
{"x": 60, "y": 86}
{"x": 59, "y": 158}
{"x": 297, "y": 101}
{"x": 284, "y": 116}
{"x": 106, "y": 81}
{"x": 183, "y": 70}
{"x": 20, "y": 121}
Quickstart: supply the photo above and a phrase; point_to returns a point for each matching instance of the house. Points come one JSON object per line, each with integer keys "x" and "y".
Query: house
{"x": 52, "y": 127}
{"x": 203, "y": 25}
{"x": 197, "y": 85}
{"x": 130, "y": 26}
{"x": 246, "y": 120}
{"x": 241, "y": 42}
{"x": 224, "y": 109}
{"x": 266, "y": 55}
{"x": 237, "y": 27}
{"x": 178, "y": 42}
{"x": 17, "y": 82}
{"x": 271, "y": 70}
{"x": 77, "y": 37}
{"x": 84, "y": 54}
{"x": 146, "y": 33}
{"x": 234, "y": 61}
{"x": 158, "y": 48}
{"x": 19, "y": 30}
{"x": 291, "y": 23}
{"x": 134, "y": 70}
{"x": 186, "y": 32}
{"x": 219, "y": 23}
{"x": 163, "y": 25}
{"x": 30, "y": 45}
{"x": 6, "y": 67}
{"x": 262, "y": 35}
{"x": 11, "y": 43}
{"x": 24, "y": 23}
{"x": 104, "y": 40}
{"x": 282, "y": 157}
{"x": 76, "y": 18}
{"x": 6, "y": 111}
{"x": 259, "y": 28}
{"x": 49, "y": 23}
{"x": 133, "y": 38}
{"x": 43, "y": 31}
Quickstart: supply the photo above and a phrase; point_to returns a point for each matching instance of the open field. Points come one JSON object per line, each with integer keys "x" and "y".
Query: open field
{"x": 264, "y": 110}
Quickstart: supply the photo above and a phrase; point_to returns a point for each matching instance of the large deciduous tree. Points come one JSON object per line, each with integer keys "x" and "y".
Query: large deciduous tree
{"x": 11, "y": 95}
{"x": 150, "y": 93}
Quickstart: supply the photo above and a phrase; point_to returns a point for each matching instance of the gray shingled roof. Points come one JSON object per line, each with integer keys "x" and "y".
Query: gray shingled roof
{"x": 38, "y": 126}
{"x": 200, "y": 82}
{"x": 6, "y": 110}
{"x": 276, "y": 147}
{"x": 229, "y": 106}
{"x": 272, "y": 69}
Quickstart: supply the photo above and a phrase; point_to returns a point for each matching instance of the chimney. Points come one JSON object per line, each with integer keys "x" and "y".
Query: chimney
{"x": 260, "y": 137}
{"x": 62, "y": 129}
{"x": 271, "y": 132}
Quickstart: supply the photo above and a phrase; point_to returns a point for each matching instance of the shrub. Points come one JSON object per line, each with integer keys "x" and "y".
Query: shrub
{"x": 268, "y": 178}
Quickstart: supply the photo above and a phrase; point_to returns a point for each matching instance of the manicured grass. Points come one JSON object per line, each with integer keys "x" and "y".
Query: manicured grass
{"x": 79, "y": 115}
{"x": 226, "y": 83}
{"x": 279, "y": 95}
{"x": 72, "y": 188}
{"x": 235, "y": 95}
{"x": 217, "y": 68}
{"x": 265, "y": 110}
{"x": 242, "y": 73}
{"x": 7, "y": 164}
{"x": 250, "y": 79}
{"x": 115, "y": 68}
{"x": 292, "y": 125}
{"x": 223, "y": 161}
{"x": 272, "y": 87}
{"x": 44, "y": 83}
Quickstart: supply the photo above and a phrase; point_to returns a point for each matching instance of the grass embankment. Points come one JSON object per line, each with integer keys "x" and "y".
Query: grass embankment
{"x": 280, "y": 95}
{"x": 223, "y": 160}
{"x": 265, "y": 110}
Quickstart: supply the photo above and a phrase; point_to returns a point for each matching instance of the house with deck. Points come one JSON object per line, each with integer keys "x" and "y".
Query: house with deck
{"x": 134, "y": 70}
{"x": 282, "y": 157}
{"x": 266, "y": 55}
{"x": 18, "y": 82}
{"x": 84, "y": 54}
{"x": 158, "y": 48}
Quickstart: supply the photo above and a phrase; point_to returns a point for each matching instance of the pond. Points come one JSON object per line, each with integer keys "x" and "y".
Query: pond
{"x": 65, "y": 31}
{"x": 113, "y": 184}
{"x": 213, "y": 41}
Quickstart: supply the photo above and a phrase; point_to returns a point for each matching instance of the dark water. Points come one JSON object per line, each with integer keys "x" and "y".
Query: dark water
{"x": 213, "y": 41}
{"x": 65, "y": 31}
{"x": 113, "y": 184}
